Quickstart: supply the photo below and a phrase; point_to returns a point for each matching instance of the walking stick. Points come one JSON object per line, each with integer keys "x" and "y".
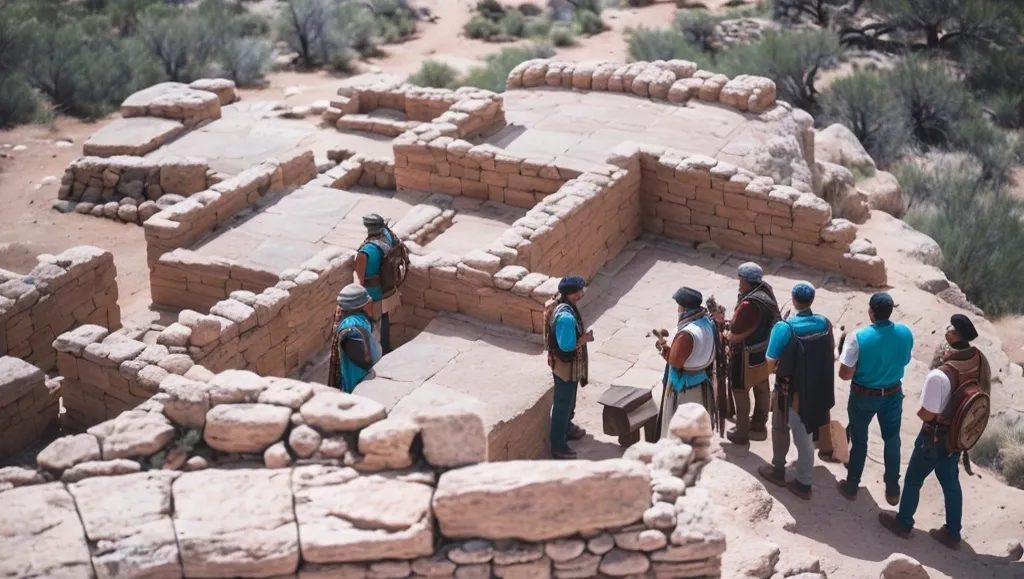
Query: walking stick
{"x": 723, "y": 399}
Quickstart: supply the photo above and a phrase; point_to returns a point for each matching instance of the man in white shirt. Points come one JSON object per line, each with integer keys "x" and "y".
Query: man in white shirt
{"x": 930, "y": 450}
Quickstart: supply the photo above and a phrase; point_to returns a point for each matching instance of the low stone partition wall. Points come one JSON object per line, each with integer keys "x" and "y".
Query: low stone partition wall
{"x": 273, "y": 332}
{"x": 128, "y": 188}
{"x": 27, "y": 407}
{"x": 703, "y": 200}
{"x": 77, "y": 286}
{"x": 191, "y": 104}
{"x": 347, "y": 492}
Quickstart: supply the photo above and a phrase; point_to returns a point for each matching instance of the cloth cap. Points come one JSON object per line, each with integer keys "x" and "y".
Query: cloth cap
{"x": 373, "y": 222}
{"x": 689, "y": 298}
{"x": 571, "y": 284}
{"x": 881, "y": 301}
{"x": 353, "y": 296}
{"x": 803, "y": 292}
{"x": 749, "y": 271}
{"x": 963, "y": 326}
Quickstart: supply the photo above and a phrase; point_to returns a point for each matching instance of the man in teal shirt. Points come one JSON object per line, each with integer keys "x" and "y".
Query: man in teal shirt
{"x": 566, "y": 343}
{"x": 794, "y": 397}
{"x": 875, "y": 357}
{"x": 354, "y": 349}
{"x": 369, "y": 259}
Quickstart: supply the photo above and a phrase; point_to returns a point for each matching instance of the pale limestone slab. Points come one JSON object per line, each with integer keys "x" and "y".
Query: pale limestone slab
{"x": 132, "y": 136}
{"x": 41, "y": 534}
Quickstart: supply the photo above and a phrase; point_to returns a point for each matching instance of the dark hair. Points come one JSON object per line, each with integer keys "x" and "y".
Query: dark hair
{"x": 801, "y": 302}
{"x": 882, "y": 313}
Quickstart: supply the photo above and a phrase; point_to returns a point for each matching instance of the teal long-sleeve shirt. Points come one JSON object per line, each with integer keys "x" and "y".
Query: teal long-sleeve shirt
{"x": 565, "y": 331}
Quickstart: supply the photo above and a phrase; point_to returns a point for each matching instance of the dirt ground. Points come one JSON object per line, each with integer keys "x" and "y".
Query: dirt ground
{"x": 844, "y": 535}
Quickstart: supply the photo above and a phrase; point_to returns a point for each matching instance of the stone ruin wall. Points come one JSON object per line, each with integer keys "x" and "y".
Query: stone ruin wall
{"x": 28, "y": 407}
{"x": 65, "y": 290}
{"x": 288, "y": 479}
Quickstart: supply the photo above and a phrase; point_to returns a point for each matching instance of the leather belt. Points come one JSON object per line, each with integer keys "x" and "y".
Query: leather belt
{"x": 862, "y": 391}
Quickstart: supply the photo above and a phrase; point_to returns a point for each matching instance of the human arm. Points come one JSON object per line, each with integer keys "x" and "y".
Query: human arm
{"x": 682, "y": 347}
{"x": 848, "y": 358}
{"x": 361, "y": 261}
{"x": 565, "y": 332}
{"x": 356, "y": 350}
{"x": 777, "y": 342}
{"x": 934, "y": 394}
{"x": 744, "y": 322}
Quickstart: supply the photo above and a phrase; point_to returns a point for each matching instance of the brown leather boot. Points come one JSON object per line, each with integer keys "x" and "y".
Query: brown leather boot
{"x": 889, "y": 521}
{"x": 770, "y": 474}
{"x": 740, "y": 435}
{"x": 942, "y": 535}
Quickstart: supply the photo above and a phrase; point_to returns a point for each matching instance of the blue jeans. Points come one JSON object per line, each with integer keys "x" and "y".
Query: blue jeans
{"x": 889, "y": 410}
{"x": 931, "y": 456}
{"x": 385, "y": 333}
{"x": 561, "y": 409}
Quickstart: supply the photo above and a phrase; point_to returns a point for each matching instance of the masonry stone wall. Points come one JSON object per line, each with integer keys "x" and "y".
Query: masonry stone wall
{"x": 291, "y": 479}
{"x": 77, "y": 286}
{"x": 27, "y": 407}
{"x": 100, "y": 180}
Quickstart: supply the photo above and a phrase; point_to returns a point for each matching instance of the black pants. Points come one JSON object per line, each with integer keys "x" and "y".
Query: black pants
{"x": 385, "y": 333}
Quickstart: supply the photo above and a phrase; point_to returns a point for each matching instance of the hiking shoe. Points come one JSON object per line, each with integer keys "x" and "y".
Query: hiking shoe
{"x": 800, "y": 490}
{"x": 770, "y": 474}
{"x": 850, "y": 496}
{"x": 827, "y": 457}
{"x": 942, "y": 535}
{"x": 575, "y": 432}
{"x": 895, "y": 527}
{"x": 893, "y": 500}
{"x": 568, "y": 454}
{"x": 735, "y": 438}
{"x": 758, "y": 435}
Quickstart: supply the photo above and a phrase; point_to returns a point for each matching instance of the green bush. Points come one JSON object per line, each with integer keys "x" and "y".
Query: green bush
{"x": 514, "y": 23}
{"x": 246, "y": 60}
{"x": 482, "y": 27}
{"x": 792, "y": 60}
{"x": 18, "y": 102}
{"x": 530, "y": 9}
{"x": 698, "y": 28}
{"x": 1001, "y": 448}
{"x": 494, "y": 75}
{"x": 864, "y": 103}
{"x": 647, "y": 44}
{"x": 538, "y": 28}
{"x": 595, "y": 6}
{"x": 562, "y": 35}
{"x": 793, "y": 11}
{"x": 491, "y": 9}
{"x": 996, "y": 150}
{"x": 997, "y": 77}
{"x": 589, "y": 22}
{"x": 436, "y": 74}
{"x": 932, "y": 100}
{"x": 326, "y": 33}
{"x": 974, "y": 225}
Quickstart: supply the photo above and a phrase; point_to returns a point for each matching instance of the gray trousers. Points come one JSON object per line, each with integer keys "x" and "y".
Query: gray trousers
{"x": 804, "y": 445}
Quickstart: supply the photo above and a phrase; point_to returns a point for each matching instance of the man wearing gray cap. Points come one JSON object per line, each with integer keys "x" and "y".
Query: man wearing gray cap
{"x": 354, "y": 349}
{"x": 757, "y": 310}
{"x": 381, "y": 264}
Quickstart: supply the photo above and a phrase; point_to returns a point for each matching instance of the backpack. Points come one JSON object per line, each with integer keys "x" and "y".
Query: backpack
{"x": 967, "y": 412}
{"x": 394, "y": 265}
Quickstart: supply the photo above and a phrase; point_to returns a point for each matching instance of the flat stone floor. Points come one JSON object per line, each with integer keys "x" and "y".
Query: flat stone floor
{"x": 475, "y": 225}
{"x": 250, "y": 132}
{"x": 574, "y": 127}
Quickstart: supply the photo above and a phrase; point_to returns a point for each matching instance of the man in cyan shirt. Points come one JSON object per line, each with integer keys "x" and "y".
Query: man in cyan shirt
{"x": 961, "y": 361}
{"x": 566, "y": 343}
{"x": 875, "y": 357}
{"x": 795, "y": 398}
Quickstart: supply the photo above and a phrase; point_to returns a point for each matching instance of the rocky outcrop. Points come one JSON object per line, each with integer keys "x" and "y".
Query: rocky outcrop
{"x": 837, "y": 144}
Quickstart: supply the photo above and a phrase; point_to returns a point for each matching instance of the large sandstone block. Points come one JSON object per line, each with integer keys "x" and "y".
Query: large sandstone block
{"x": 17, "y": 378}
{"x": 132, "y": 136}
{"x": 128, "y": 520}
{"x": 537, "y": 501}
{"x": 245, "y": 427}
{"x": 344, "y": 517}
{"x": 41, "y": 534}
{"x": 236, "y": 523}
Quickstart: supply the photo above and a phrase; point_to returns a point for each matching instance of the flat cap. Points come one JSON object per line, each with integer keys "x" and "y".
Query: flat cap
{"x": 963, "y": 326}
{"x": 750, "y": 271}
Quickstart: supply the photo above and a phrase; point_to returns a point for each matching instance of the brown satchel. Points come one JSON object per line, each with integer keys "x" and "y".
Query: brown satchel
{"x": 754, "y": 375}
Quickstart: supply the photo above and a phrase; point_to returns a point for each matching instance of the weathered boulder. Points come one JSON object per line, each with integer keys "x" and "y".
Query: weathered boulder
{"x": 840, "y": 191}
{"x": 344, "y": 517}
{"x": 536, "y": 501}
{"x": 453, "y": 435}
{"x": 837, "y": 144}
{"x": 67, "y": 451}
{"x": 752, "y": 558}
{"x": 245, "y": 427}
{"x": 900, "y": 566}
{"x": 883, "y": 193}
{"x": 690, "y": 421}
{"x": 42, "y": 535}
{"x": 188, "y": 401}
{"x": 95, "y": 468}
{"x": 132, "y": 434}
{"x": 388, "y": 442}
{"x": 304, "y": 441}
{"x": 131, "y": 517}
{"x": 620, "y": 563}
{"x": 236, "y": 523}
{"x": 234, "y": 386}
{"x": 340, "y": 412}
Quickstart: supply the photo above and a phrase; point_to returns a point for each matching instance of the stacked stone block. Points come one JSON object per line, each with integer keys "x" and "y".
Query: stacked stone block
{"x": 192, "y": 105}
{"x": 348, "y": 492}
{"x": 27, "y": 407}
{"x": 700, "y": 199}
{"x": 130, "y": 189}
{"x": 65, "y": 290}
{"x": 676, "y": 81}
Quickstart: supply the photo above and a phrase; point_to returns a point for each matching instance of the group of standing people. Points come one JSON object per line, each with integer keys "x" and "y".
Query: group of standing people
{"x": 800, "y": 351}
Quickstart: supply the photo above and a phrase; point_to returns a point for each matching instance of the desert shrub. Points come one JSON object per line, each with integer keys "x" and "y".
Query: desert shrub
{"x": 436, "y": 74}
{"x": 996, "y": 150}
{"x": 482, "y": 27}
{"x": 997, "y": 78}
{"x": 595, "y": 6}
{"x": 495, "y": 73}
{"x": 792, "y": 60}
{"x": 530, "y": 9}
{"x": 513, "y": 23}
{"x": 539, "y": 28}
{"x": 181, "y": 41}
{"x": 1001, "y": 448}
{"x": 562, "y": 35}
{"x": 974, "y": 225}
{"x": 647, "y": 44}
{"x": 864, "y": 103}
{"x": 324, "y": 32}
{"x": 698, "y": 28}
{"x": 589, "y": 22}
{"x": 18, "y": 102}
{"x": 490, "y": 9}
{"x": 356, "y": 28}
{"x": 245, "y": 60}
{"x": 932, "y": 100}
{"x": 945, "y": 24}
{"x": 817, "y": 11}
{"x": 393, "y": 20}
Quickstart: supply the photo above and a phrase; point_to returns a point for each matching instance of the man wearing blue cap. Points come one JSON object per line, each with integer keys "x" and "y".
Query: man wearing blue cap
{"x": 874, "y": 358}
{"x": 376, "y": 262}
{"x": 354, "y": 349}
{"x": 801, "y": 350}
{"x": 757, "y": 310}
{"x": 566, "y": 344}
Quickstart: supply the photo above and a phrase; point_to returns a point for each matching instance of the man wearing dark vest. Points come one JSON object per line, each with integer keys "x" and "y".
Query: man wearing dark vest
{"x": 874, "y": 358}
{"x": 369, "y": 258}
{"x": 960, "y": 362}
{"x": 689, "y": 360}
{"x": 566, "y": 343}
{"x": 354, "y": 348}
{"x": 801, "y": 350}
{"x": 757, "y": 310}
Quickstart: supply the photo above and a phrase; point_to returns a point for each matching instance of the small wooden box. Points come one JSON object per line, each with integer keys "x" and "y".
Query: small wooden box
{"x": 626, "y": 411}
